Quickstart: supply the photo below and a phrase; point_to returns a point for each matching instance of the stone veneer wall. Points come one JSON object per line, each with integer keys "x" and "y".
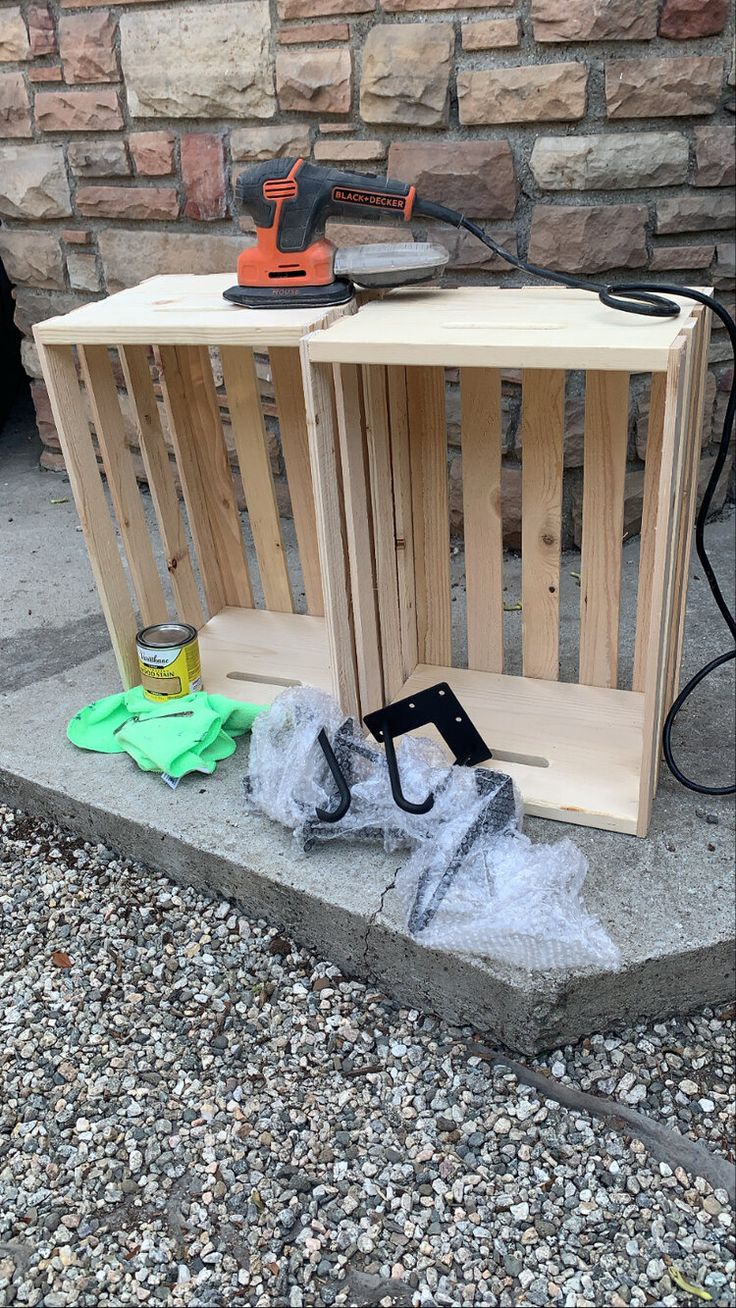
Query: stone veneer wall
{"x": 592, "y": 135}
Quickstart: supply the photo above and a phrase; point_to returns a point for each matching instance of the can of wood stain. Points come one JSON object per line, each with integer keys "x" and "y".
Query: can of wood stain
{"x": 168, "y": 658}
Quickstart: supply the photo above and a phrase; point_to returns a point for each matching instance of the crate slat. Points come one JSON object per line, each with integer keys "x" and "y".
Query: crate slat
{"x": 378, "y": 439}
{"x": 323, "y": 445}
{"x": 358, "y": 534}
{"x": 686, "y": 515}
{"x": 102, "y": 393}
{"x": 289, "y": 392}
{"x": 425, "y": 393}
{"x": 182, "y": 309}
{"x": 480, "y": 430}
{"x": 75, "y": 437}
{"x": 669, "y": 616}
{"x": 604, "y": 473}
{"x": 543, "y": 418}
{"x": 251, "y": 446}
{"x": 403, "y": 524}
{"x": 201, "y": 456}
{"x": 655, "y": 667}
{"x": 652, "y": 468}
{"x": 160, "y": 477}
{"x": 496, "y": 327}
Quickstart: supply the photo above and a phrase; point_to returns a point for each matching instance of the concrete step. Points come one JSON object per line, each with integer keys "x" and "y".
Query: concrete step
{"x": 667, "y": 900}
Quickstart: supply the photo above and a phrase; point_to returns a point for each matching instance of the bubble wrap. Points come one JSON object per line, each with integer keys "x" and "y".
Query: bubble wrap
{"x": 472, "y": 882}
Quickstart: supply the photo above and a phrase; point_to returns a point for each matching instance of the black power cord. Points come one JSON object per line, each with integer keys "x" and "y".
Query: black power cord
{"x": 650, "y": 300}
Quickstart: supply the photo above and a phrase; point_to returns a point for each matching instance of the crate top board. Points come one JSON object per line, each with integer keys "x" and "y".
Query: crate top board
{"x": 185, "y": 309}
{"x": 492, "y": 327}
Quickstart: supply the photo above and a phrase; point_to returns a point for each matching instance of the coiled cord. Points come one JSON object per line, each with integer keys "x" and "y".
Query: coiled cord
{"x": 649, "y": 300}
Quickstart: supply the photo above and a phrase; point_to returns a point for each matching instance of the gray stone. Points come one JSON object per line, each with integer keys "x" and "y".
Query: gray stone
{"x": 589, "y": 238}
{"x": 104, "y": 157}
{"x": 468, "y": 253}
{"x": 533, "y": 93}
{"x": 406, "y": 73}
{"x": 32, "y": 259}
{"x": 594, "y": 20}
{"x": 715, "y": 159}
{"x": 476, "y": 177}
{"x": 33, "y": 182}
{"x": 697, "y": 212}
{"x": 29, "y": 358}
{"x": 14, "y": 44}
{"x": 213, "y": 61}
{"x": 725, "y": 271}
{"x": 15, "y": 107}
{"x": 663, "y": 87}
{"x": 32, "y": 306}
{"x": 254, "y": 144}
{"x": 82, "y": 269}
{"x": 691, "y": 257}
{"x": 127, "y": 259}
{"x": 314, "y": 81}
{"x": 613, "y": 162}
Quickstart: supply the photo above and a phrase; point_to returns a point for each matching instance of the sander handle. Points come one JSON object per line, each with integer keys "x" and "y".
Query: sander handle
{"x": 298, "y": 197}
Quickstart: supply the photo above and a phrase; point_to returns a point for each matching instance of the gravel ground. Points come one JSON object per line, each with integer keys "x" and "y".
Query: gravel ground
{"x": 195, "y": 1112}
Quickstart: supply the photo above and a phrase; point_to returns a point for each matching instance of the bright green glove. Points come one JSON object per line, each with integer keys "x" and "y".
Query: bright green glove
{"x": 189, "y": 734}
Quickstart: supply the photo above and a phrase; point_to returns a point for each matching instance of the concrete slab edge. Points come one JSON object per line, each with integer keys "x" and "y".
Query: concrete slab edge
{"x": 524, "y": 1014}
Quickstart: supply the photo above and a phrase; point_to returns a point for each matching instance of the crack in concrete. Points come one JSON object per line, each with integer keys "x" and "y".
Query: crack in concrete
{"x": 373, "y": 920}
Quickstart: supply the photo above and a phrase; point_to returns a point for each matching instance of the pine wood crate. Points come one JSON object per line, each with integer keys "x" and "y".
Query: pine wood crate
{"x": 172, "y": 323}
{"x": 585, "y": 750}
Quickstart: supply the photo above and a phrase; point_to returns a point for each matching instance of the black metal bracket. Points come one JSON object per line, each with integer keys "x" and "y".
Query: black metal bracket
{"x": 440, "y": 706}
{"x": 335, "y": 814}
{"x": 499, "y": 812}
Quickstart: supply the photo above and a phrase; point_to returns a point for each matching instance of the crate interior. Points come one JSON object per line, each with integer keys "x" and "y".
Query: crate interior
{"x": 224, "y": 533}
{"x": 509, "y": 489}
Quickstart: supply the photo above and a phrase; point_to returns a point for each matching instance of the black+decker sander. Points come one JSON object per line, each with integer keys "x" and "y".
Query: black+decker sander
{"x": 293, "y": 264}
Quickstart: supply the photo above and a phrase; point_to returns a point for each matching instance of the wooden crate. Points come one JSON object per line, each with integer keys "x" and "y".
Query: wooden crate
{"x": 585, "y": 750}
{"x": 159, "y": 338}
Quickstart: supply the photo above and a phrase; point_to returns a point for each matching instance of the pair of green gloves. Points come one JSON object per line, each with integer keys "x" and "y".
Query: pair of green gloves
{"x": 189, "y": 734}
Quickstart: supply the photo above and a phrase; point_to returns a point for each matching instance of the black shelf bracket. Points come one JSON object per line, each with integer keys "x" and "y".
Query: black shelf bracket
{"x": 439, "y": 706}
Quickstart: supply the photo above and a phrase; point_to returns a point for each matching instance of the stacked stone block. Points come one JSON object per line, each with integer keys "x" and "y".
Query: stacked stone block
{"x": 597, "y": 138}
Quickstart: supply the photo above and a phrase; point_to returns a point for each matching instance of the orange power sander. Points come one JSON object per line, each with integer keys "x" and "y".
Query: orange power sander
{"x": 293, "y": 265}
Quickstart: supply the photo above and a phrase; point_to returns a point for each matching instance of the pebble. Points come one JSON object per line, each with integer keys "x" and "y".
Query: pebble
{"x": 179, "y": 1128}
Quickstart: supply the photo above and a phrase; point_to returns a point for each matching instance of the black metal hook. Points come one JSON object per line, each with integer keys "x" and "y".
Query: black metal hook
{"x": 395, "y": 780}
{"x": 345, "y": 796}
{"x": 440, "y": 706}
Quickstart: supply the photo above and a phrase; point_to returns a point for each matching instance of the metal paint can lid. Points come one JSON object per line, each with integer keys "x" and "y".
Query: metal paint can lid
{"x": 166, "y": 635}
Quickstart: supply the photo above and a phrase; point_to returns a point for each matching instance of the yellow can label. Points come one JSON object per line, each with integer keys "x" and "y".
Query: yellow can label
{"x": 170, "y": 673}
